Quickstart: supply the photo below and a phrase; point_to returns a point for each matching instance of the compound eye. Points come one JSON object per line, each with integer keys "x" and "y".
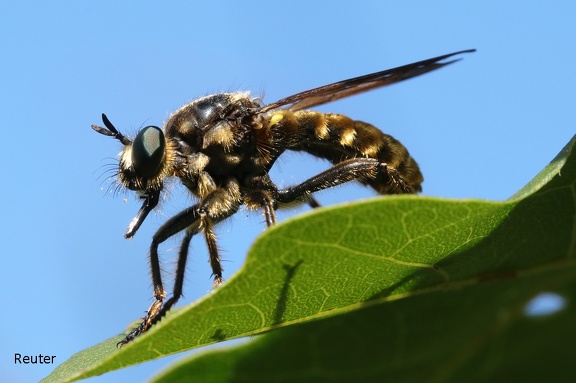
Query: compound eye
{"x": 148, "y": 151}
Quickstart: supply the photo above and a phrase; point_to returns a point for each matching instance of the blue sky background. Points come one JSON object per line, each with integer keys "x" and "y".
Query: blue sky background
{"x": 481, "y": 128}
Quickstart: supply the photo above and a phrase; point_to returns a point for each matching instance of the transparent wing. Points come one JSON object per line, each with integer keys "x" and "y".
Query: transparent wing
{"x": 350, "y": 87}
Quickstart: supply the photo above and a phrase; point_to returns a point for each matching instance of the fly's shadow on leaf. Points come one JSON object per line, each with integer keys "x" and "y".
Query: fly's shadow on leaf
{"x": 283, "y": 296}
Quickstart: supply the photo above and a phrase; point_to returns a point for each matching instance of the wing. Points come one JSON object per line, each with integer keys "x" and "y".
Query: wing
{"x": 350, "y": 87}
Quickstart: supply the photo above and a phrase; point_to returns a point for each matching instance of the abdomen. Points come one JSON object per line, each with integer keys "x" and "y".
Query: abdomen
{"x": 337, "y": 138}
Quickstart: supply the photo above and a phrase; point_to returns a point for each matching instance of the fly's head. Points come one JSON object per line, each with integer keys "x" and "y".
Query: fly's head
{"x": 143, "y": 166}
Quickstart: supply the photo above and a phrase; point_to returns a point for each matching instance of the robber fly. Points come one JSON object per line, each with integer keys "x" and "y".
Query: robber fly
{"x": 222, "y": 147}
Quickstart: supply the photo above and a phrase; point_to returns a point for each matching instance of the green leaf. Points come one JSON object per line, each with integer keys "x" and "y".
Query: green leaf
{"x": 401, "y": 288}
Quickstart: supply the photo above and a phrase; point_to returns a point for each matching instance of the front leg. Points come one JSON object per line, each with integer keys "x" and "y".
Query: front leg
{"x": 215, "y": 207}
{"x": 189, "y": 217}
